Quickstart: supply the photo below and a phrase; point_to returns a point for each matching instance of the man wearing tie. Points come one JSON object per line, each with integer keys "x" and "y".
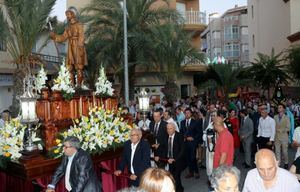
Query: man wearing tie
{"x": 77, "y": 167}
{"x": 136, "y": 156}
{"x": 158, "y": 128}
{"x": 192, "y": 134}
{"x": 246, "y": 136}
{"x": 173, "y": 149}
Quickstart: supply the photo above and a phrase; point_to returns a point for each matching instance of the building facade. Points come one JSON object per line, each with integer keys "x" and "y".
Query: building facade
{"x": 226, "y": 37}
{"x": 272, "y": 24}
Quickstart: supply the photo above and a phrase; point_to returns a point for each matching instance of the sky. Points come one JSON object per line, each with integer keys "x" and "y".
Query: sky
{"x": 210, "y": 6}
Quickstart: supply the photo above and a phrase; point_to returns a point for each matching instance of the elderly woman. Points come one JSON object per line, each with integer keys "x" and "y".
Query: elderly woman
{"x": 225, "y": 178}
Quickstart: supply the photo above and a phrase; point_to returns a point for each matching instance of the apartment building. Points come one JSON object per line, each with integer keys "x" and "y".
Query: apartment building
{"x": 226, "y": 37}
{"x": 194, "y": 22}
{"x": 272, "y": 24}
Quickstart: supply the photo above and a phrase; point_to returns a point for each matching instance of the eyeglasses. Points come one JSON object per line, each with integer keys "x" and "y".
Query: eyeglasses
{"x": 132, "y": 135}
{"x": 67, "y": 146}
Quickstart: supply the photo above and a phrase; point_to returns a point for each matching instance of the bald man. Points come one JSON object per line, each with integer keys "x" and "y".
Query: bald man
{"x": 268, "y": 176}
{"x": 224, "y": 150}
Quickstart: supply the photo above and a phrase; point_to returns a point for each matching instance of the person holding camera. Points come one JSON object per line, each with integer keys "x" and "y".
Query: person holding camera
{"x": 209, "y": 140}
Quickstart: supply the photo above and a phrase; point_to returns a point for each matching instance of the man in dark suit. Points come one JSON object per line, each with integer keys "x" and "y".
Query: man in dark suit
{"x": 192, "y": 133}
{"x": 158, "y": 128}
{"x": 246, "y": 136}
{"x": 136, "y": 156}
{"x": 173, "y": 149}
{"x": 77, "y": 167}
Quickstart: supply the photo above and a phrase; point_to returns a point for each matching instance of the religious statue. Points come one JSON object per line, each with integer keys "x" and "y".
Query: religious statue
{"x": 76, "y": 55}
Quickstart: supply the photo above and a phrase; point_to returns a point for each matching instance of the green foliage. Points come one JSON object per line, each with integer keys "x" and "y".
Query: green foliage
{"x": 22, "y": 24}
{"x": 293, "y": 58}
{"x": 173, "y": 50}
{"x": 267, "y": 69}
{"x": 155, "y": 38}
{"x": 225, "y": 77}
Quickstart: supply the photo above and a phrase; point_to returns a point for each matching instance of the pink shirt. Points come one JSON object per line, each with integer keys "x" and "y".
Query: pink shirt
{"x": 224, "y": 145}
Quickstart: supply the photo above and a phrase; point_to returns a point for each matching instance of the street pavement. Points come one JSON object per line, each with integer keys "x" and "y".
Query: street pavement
{"x": 200, "y": 185}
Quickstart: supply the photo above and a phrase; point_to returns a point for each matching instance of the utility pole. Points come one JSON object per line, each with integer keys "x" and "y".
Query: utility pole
{"x": 126, "y": 82}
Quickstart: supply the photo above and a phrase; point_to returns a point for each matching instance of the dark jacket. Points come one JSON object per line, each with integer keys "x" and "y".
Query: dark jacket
{"x": 178, "y": 150}
{"x": 161, "y": 135}
{"x": 194, "y": 130}
{"x": 82, "y": 175}
{"x": 141, "y": 159}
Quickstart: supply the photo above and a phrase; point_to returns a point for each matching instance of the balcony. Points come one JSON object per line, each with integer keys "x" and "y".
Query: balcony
{"x": 52, "y": 63}
{"x": 194, "y": 20}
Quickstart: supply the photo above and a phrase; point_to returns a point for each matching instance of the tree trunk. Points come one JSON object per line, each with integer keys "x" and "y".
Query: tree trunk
{"x": 18, "y": 77}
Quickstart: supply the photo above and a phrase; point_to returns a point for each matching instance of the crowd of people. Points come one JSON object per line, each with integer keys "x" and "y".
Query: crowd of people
{"x": 195, "y": 134}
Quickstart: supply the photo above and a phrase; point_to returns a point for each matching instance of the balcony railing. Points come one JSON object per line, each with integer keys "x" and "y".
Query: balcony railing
{"x": 193, "y": 17}
{"x": 52, "y": 62}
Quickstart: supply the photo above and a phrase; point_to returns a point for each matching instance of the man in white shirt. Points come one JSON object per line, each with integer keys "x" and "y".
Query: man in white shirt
{"x": 136, "y": 157}
{"x": 296, "y": 141}
{"x": 266, "y": 130}
{"x": 268, "y": 177}
{"x": 168, "y": 118}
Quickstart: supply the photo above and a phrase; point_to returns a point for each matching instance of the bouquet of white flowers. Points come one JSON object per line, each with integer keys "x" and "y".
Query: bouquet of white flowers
{"x": 63, "y": 82}
{"x": 40, "y": 80}
{"x": 103, "y": 86}
{"x": 11, "y": 140}
{"x": 101, "y": 130}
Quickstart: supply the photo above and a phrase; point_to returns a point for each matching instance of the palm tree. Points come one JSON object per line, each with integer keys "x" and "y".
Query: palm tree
{"x": 293, "y": 58}
{"x": 105, "y": 21}
{"x": 225, "y": 77}
{"x": 172, "y": 51}
{"x": 266, "y": 70}
{"x": 21, "y": 22}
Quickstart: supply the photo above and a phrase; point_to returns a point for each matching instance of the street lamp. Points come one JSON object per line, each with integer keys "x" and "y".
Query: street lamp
{"x": 28, "y": 108}
{"x": 144, "y": 106}
{"x": 210, "y": 34}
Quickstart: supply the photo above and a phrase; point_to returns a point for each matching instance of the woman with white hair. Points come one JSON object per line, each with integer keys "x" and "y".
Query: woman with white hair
{"x": 225, "y": 179}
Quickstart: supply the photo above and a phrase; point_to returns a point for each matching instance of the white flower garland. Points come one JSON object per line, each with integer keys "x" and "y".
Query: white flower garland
{"x": 63, "y": 81}
{"x": 103, "y": 86}
{"x": 40, "y": 80}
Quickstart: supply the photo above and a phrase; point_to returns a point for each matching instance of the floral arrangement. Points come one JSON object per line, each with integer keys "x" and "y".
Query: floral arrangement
{"x": 63, "y": 82}
{"x": 100, "y": 130}
{"x": 103, "y": 86}
{"x": 40, "y": 80}
{"x": 11, "y": 140}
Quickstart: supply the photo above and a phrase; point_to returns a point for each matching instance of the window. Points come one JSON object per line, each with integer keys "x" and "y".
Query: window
{"x": 231, "y": 32}
{"x": 2, "y": 46}
{"x": 253, "y": 41}
{"x": 232, "y": 50}
{"x": 180, "y": 7}
{"x": 244, "y": 30}
{"x": 245, "y": 48}
{"x": 216, "y": 34}
{"x": 252, "y": 11}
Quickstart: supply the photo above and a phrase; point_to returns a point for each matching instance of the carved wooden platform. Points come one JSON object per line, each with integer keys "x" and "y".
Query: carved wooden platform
{"x": 56, "y": 113}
